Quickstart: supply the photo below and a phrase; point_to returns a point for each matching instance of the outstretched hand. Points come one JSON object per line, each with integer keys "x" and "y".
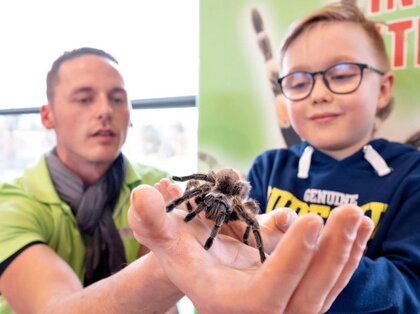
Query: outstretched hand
{"x": 305, "y": 272}
{"x": 272, "y": 225}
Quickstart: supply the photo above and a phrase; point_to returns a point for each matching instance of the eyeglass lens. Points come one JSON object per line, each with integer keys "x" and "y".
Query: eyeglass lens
{"x": 341, "y": 79}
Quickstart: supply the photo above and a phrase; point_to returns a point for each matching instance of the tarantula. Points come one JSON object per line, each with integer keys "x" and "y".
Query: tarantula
{"x": 223, "y": 198}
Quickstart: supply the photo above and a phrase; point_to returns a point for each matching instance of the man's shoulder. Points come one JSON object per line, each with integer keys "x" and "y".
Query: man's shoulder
{"x": 11, "y": 188}
{"x": 146, "y": 174}
{"x": 33, "y": 184}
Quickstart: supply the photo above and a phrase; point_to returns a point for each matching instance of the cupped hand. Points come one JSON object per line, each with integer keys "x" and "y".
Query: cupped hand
{"x": 305, "y": 272}
{"x": 272, "y": 225}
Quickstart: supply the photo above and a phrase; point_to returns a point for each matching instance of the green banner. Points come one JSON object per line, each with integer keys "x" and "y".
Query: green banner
{"x": 240, "y": 114}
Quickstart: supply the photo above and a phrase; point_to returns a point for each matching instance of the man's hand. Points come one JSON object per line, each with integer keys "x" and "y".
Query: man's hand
{"x": 305, "y": 272}
{"x": 272, "y": 225}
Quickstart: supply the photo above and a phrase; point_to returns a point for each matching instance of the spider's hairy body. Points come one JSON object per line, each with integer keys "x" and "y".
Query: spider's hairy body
{"x": 223, "y": 197}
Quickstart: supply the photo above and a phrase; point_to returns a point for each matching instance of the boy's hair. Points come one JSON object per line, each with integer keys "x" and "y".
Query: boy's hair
{"x": 414, "y": 140}
{"x": 52, "y": 76}
{"x": 345, "y": 11}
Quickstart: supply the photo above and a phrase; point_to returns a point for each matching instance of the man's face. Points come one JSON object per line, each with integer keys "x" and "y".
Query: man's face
{"x": 89, "y": 112}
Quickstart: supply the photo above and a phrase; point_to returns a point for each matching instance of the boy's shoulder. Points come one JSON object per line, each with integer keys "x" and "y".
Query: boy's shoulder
{"x": 390, "y": 150}
{"x": 295, "y": 151}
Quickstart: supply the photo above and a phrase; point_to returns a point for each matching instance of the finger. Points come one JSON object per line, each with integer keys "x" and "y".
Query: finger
{"x": 274, "y": 224}
{"x": 169, "y": 190}
{"x": 162, "y": 184}
{"x": 335, "y": 245}
{"x": 162, "y": 187}
{"x": 236, "y": 230}
{"x": 233, "y": 253}
{"x": 272, "y": 227}
{"x": 285, "y": 267}
{"x": 175, "y": 191}
{"x": 147, "y": 215}
{"x": 356, "y": 254}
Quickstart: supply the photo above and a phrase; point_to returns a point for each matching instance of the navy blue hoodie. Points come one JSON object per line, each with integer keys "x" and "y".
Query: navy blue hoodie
{"x": 388, "y": 277}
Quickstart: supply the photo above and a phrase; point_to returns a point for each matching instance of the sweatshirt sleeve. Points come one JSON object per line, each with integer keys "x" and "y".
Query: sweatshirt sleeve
{"x": 388, "y": 277}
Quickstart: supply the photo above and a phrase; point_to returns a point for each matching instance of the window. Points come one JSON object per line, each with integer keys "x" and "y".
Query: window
{"x": 156, "y": 43}
{"x": 162, "y": 137}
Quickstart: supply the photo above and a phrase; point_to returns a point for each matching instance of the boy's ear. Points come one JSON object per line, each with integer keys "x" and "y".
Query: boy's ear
{"x": 47, "y": 116}
{"x": 385, "y": 93}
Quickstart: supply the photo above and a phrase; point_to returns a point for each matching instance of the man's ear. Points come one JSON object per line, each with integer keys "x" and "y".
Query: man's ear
{"x": 47, "y": 116}
{"x": 385, "y": 93}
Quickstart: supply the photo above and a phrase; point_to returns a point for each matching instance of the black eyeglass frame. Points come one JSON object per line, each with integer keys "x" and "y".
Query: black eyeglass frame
{"x": 361, "y": 66}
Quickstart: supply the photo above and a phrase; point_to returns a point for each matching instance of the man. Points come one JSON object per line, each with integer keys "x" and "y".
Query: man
{"x": 64, "y": 233}
{"x": 79, "y": 192}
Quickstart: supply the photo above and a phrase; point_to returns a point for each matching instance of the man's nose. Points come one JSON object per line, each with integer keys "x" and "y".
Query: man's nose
{"x": 104, "y": 108}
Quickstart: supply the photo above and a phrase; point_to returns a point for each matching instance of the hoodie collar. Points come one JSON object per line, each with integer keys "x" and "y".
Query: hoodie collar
{"x": 371, "y": 156}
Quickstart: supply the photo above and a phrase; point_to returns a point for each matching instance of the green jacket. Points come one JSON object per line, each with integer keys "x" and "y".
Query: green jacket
{"x": 30, "y": 211}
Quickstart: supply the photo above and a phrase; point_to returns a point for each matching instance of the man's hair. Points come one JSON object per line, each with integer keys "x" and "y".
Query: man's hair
{"x": 52, "y": 76}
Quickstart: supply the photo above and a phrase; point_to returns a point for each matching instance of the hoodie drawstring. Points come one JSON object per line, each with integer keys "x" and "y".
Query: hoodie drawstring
{"x": 376, "y": 161}
{"x": 371, "y": 155}
{"x": 305, "y": 162}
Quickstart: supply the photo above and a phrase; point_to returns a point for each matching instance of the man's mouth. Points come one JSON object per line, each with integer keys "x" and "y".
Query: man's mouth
{"x": 104, "y": 133}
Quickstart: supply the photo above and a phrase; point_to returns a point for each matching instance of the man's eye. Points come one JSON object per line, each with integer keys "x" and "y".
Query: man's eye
{"x": 84, "y": 100}
{"x": 118, "y": 100}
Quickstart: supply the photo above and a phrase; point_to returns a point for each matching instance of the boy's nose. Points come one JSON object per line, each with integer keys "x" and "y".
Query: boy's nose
{"x": 320, "y": 91}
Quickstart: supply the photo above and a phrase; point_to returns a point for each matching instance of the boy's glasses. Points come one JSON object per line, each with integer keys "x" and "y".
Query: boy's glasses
{"x": 342, "y": 78}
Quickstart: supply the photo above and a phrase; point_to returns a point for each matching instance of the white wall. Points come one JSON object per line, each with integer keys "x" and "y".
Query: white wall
{"x": 155, "y": 41}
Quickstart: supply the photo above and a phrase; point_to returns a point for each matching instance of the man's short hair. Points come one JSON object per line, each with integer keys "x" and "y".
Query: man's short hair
{"x": 52, "y": 76}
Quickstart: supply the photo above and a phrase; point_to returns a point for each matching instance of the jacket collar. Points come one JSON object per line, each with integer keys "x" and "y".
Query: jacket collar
{"x": 37, "y": 181}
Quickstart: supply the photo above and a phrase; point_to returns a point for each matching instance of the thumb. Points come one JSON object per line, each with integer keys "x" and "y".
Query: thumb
{"x": 274, "y": 225}
{"x": 147, "y": 216}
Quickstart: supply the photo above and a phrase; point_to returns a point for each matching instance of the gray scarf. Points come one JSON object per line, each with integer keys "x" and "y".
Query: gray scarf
{"x": 93, "y": 207}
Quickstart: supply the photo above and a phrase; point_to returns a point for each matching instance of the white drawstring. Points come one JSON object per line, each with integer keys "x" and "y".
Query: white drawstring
{"x": 305, "y": 162}
{"x": 371, "y": 155}
{"x": 376, "y": 161}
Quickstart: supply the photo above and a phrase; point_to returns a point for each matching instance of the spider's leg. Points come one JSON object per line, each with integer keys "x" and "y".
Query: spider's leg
{"x": 189, "y": 207}
{"x": 220, "y": 219}
{"x": 253, "y": 206}
{"x": 246, "y": 234}
{"x": 191, "y": 185}
{"x": 183, "y": 198}
{"x": 194, "y": 213}
{"x": 252, "y": 222}
{"x": 260, "y": 245}
{"x": 196, "y": 176}
{"x": 240, "y": 212}
{"x": 186, "y": 196}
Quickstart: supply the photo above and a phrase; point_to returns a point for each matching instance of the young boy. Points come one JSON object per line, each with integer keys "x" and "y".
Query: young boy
{"x": 335, "y": 77}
